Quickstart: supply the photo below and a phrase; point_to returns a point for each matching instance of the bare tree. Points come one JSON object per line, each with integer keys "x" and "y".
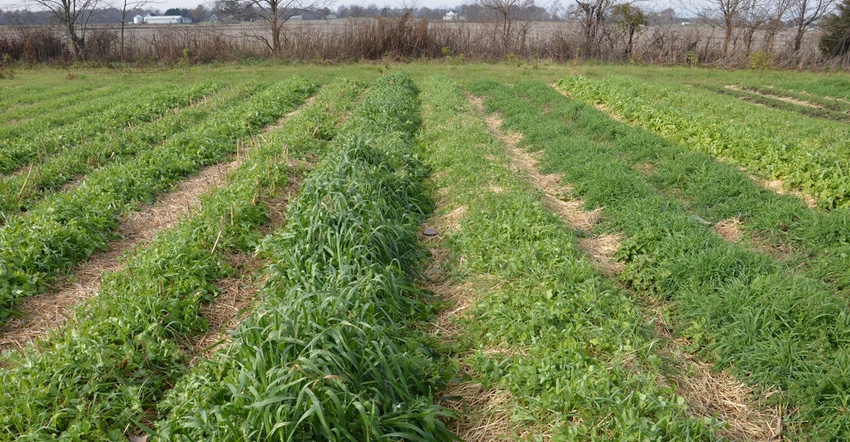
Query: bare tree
{"x": 753, "y": 16}
{"x": 276, "y": 13}
{"x": 592, "y": 14}
{"x": 806, "y": 13}
{"x": 729, "y": 15}
{"x": 73, "y": 16}
{"x": 778, "y": 10}
{"x": 631, "y": 20}
{"x": 503, "y": 12}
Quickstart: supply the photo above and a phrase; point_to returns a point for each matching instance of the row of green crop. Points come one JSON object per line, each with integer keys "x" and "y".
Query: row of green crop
{"x": 66, "y": 228}
{"x": 765, "y": 322}
{"x": 145, "y": 105}
{"x": 570, "y": 347}
{"x": 806, "y": 153}
{"x": 33, "y": 93}
{"x": 48, "y": 107}
{"x": 18, "y": 192}
{"x": 103, "y": 376}
{"x": 40, "y": 124}
{"x": 331, "y": 354}
{"x": 826, "y": 103}
{"x": 817, "y": 243}
{"x": 775, "y": 102}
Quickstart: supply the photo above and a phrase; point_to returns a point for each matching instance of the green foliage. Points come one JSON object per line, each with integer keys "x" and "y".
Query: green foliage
{"x": 569, "y": 346}
{"x": 771, "y": 325}
{"x": 101, "y": 377}
{"x": 67, "y": 228}
{"x": 105, "y": 115}
{"x": 329, "y": 355}
{"x": 18, "y": 192}
{"x": 807, "y": 154}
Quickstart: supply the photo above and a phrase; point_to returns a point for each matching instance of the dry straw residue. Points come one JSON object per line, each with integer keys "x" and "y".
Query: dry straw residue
{"x": 729, "y": 229}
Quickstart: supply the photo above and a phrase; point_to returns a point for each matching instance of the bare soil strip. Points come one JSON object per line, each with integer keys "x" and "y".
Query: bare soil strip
{"x": 708, "y": 393}
{"x": 599, "y": 249}
{"x": 238, "y": 294}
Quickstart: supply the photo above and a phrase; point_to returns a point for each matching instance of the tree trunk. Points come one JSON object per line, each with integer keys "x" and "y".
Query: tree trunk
{"x": 727, "y": 37}
{"x": 798, "y": 39}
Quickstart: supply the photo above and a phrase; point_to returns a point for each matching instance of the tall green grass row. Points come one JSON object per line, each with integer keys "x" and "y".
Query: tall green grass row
{"x": 569, "y": 346}
{"x": 66, "y": 228}
{"x": 737, "y": 308}
{"x": 104, "y": 375}
{"x": 818, "y": 241}
{"x": 331, "y": 353}
{"x": 810, "y": 154}
{"x": 144, "y": 105}
{"x": 19, "y": 192}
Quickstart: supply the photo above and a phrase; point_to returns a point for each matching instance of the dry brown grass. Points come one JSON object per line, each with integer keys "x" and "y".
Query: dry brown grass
{"x": 729, "y": 229}
{"x": 779, "y": 186}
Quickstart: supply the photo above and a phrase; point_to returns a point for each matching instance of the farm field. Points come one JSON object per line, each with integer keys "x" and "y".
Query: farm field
{"x": 425, "y": 251}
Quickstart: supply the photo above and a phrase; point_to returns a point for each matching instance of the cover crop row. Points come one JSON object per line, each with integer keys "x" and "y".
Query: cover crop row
{"x": 103, "y": 376}
{"x": 64, "y": 229}
{"x": 51, "y": 106}
{"x": 331, "y": 354}
{"x": 768, "y": 325}
{"x": 570, "y": 347}
{"x": 807, "y": 153}
{"x": 18, "y": 192}
{"x": 123, "y": 112}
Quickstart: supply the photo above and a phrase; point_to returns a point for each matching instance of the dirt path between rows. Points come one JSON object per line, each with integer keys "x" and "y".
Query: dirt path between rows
{"x": 707, "y": 392}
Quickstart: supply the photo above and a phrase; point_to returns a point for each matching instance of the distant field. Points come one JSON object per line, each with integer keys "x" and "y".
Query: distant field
{"x": 424, "y": 251}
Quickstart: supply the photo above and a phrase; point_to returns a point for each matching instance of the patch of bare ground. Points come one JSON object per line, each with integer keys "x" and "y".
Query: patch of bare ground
{"x": 604, "y": 109}
{"x": 707, "y": 392}
{"x": 482, "y": 413}
{"x": 729, "y": 229}
{"x": 238, "y": 294}
{"x": 776, "y": 97}
{"x": 646, "y": 169}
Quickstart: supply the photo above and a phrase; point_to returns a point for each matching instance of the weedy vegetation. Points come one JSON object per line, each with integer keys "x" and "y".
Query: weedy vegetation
{"x": 719, "y": 259}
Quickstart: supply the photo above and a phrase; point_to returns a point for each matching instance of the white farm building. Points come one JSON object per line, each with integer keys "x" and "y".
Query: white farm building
{"x": 167, "y": 20}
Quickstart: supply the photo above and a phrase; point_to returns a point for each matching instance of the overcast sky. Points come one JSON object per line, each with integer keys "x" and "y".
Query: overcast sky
{"x": 165, "y": 4}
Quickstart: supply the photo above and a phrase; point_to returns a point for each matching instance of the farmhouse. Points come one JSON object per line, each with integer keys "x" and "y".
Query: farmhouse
{"x": 167, "y": 20}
